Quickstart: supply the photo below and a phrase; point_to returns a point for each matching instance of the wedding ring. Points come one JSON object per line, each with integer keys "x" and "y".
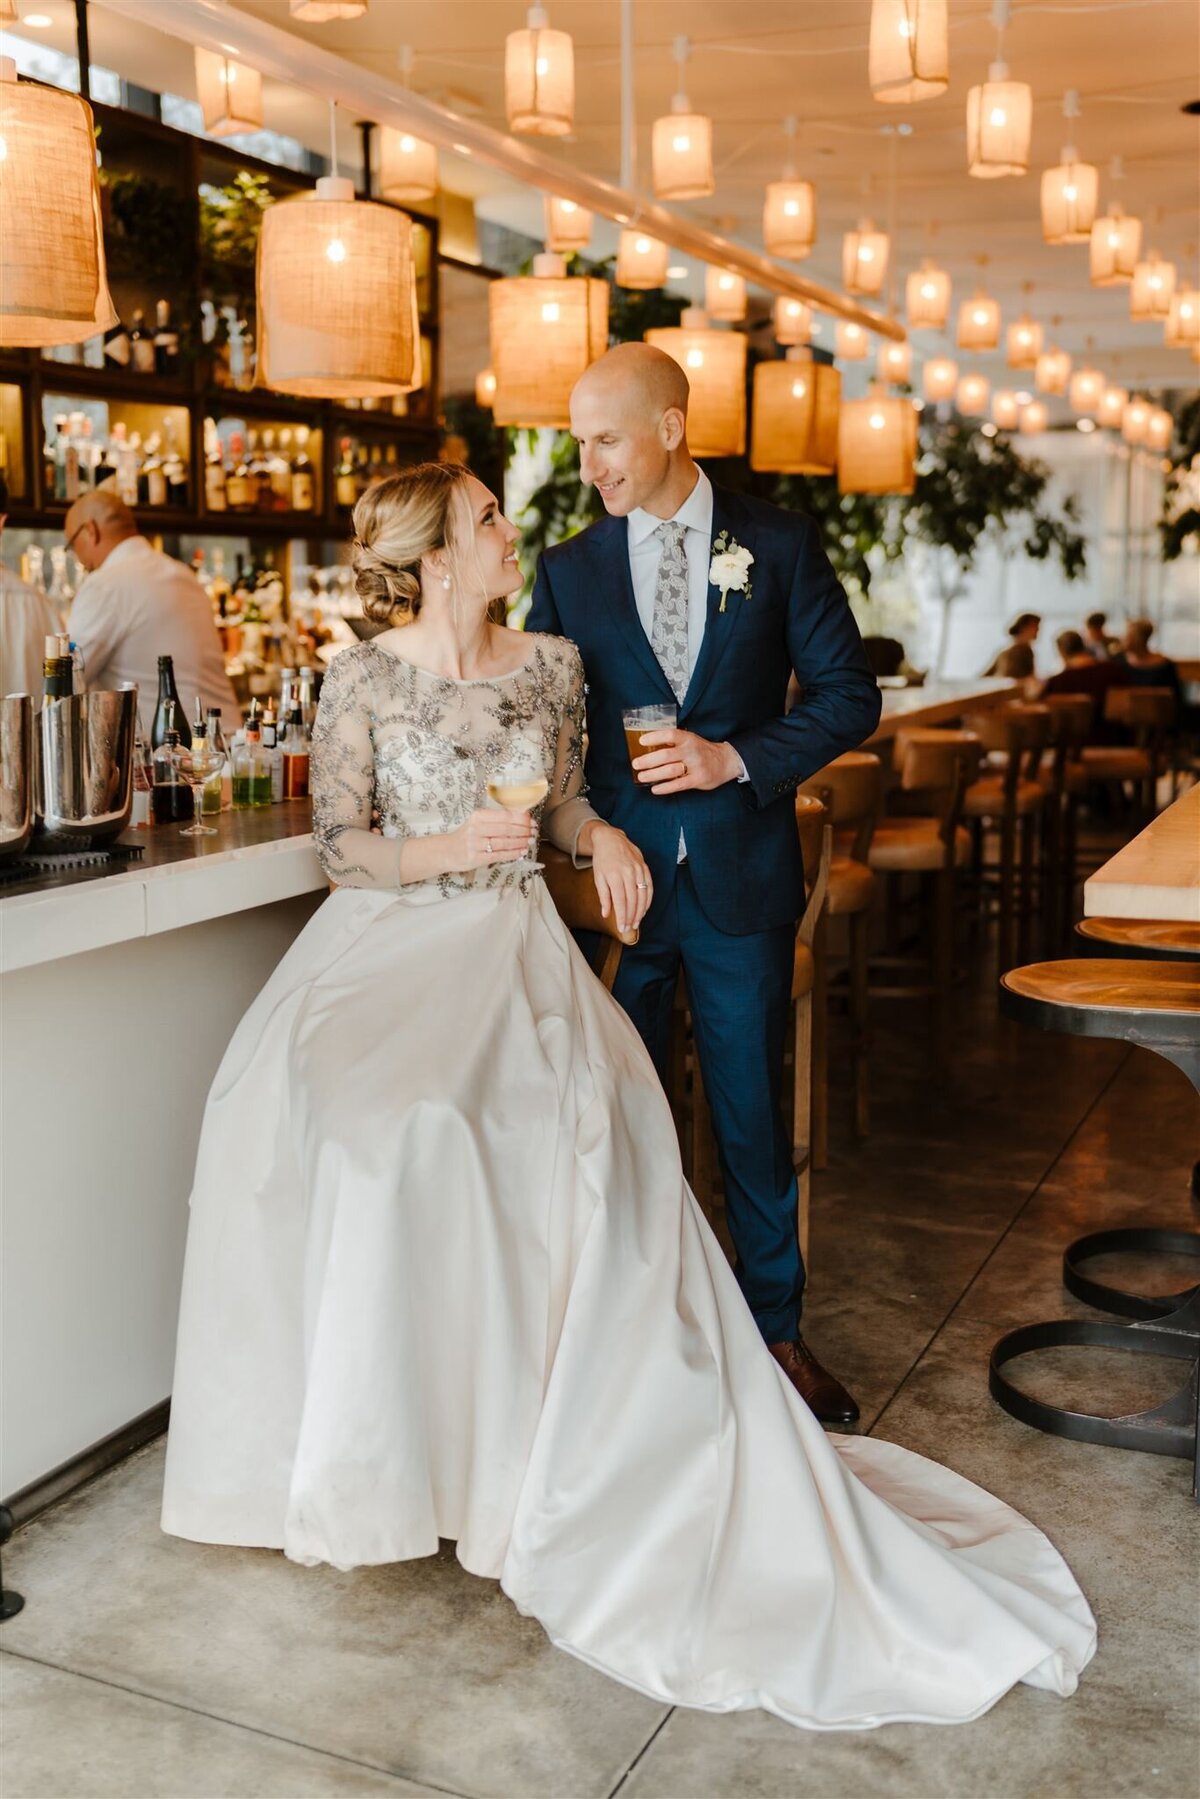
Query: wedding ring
{"x": 488, "y": 845}
{"x": 685, "y": 768}
{"x": 639, "y": 883}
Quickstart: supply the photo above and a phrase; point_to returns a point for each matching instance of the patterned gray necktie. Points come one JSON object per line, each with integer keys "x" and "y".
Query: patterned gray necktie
{"x": 669, "y": 633}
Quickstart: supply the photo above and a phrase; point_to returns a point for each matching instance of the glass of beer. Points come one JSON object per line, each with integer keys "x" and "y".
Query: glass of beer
{"x": 519, "y": 784}
{"x": 645, "y": 718}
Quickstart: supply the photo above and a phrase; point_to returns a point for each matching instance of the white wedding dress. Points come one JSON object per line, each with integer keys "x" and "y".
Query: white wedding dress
{"x": 445, "y": 1279}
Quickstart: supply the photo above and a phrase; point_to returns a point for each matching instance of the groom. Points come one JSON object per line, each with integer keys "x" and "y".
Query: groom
{"x": 712, "y": 805}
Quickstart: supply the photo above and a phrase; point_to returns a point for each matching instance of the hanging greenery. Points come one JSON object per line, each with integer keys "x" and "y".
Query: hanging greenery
{"x": 230, "y": 221}
{"x": 1180, "y": 523}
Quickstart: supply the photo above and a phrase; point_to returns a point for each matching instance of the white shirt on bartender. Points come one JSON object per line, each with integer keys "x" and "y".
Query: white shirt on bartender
{"x": 140, "y": 605}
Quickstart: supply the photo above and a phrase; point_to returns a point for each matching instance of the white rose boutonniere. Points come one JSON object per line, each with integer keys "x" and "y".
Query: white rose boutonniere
{"x": 729, "y": 569}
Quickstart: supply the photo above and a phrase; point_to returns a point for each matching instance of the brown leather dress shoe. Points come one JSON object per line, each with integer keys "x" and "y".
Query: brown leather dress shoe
{"x": 825, "y": 1397}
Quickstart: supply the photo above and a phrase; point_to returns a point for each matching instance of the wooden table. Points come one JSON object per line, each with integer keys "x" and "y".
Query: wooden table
{"x": 937, "y": 703}
{"x": 1158, "y": 874}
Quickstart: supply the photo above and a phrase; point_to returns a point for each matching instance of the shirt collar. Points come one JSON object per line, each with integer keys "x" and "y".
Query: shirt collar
{"x": 121, "y": 552}
{"x": 696, "y": 513}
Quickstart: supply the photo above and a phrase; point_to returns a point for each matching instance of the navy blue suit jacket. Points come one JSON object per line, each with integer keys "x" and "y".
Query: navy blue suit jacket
{"x": 742, "y": 844}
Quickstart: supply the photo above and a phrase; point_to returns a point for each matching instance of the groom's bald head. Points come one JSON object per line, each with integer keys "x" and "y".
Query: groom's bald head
{"x": 629, "y": 416}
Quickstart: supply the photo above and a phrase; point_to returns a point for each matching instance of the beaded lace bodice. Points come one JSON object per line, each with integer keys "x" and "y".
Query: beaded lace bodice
{"x": 418, "y": 749}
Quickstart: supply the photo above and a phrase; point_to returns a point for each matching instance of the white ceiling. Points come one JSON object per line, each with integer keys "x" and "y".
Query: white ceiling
{"x": 1134, "y": 62}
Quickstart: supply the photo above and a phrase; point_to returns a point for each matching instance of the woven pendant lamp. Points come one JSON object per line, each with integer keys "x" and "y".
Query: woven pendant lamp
{"x": 545, "y": 330}
{"x": 1183, "y": 320}
{"x": 715, "y": 365}
{"x": 323, "y": 12}
{"x": 230, "y": 94}
{"x": 1087, "y": 390}
{"x": 1111, "y": 409}
{"x": 893, "y": 364}
{"x": 939, "y": 378}
{"x": 794, "y": 425}
{"x": 850, "y": 341}
{"x": 1152, "y": 289}
{"x": 999, "y": 115}
{"x": 864, "y": 259}
{"x": 978, "y": 323}
{"x": 877, "y": 445}
{"x": 908, "y": 58}
{"x": 641, "y": 260}
{"x": 971, "y": 395}
{"x": 53, "y": 281}
{"x": 1034, "y": 418}
{"x": 337, "y": 297}
{"x": 539, "y": 78}
{"x": 1136, "y": 420}
{"x": 1023, "y": 342}
{"x": 681, "y": 157}
{"x": 1070, "y": 190}
{"x": 790, "y": 209}
{"x": 927, "y": 298}
{"x": 1160, "y": 429}
{"x": 485, "y": 389}
{"x": 408, "y": 168}
{"x": 1052, "y": 371}
{"x": 568, "y": 226}
{"x": 1116, "y": 245}
{"x": 1006, "y": 412}
{"x": 725, "y": 296}
{"x": 793, "y": 321}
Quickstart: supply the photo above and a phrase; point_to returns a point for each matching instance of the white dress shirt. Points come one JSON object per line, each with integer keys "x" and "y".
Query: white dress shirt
{"x": 27, "y": 617}
{"x": 645, "y": 549}
{"x": 140, "y": 605}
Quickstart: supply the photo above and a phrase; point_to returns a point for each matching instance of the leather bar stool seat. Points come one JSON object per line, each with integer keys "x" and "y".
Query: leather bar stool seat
{"x": 1115, "y": 762}
{"x": 985, "y": 798}
{"x": 915, "y": 846}
{"x": 1152, "y": 937}
{"x": 851, "y": 887}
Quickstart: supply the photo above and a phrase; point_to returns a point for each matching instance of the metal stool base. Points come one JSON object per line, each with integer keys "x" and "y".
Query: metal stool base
{"x": 1118, "y": 1300}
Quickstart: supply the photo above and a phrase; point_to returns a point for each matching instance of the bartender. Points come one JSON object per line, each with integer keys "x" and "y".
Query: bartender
{"x": 137, "y": 605}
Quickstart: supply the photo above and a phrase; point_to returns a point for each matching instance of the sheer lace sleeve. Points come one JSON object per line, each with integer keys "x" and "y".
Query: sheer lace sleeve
{"x": 343, "y": 781}
{"x": 567, "y": 808}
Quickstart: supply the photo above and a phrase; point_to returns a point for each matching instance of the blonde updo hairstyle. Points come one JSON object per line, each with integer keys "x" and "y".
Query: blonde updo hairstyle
{"x": 398, "y": 521}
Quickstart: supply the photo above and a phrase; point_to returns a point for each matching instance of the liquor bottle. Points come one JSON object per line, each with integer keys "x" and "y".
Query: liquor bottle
{"x": 216, "y": 788}
{"x": 71, "y": 463}
{"x": 168, "y": 713}
{"x": 215, "y": 496}
{"x": 174, "y": 471}
{"x": 295, "y": 758}
{"x": 288, "y": 689}
{"x": 239, "y": 489}
{"x": 141, "y": 345}
{"x": 153, "y": 475}
{"x": 279, "y": 467}
{"x": 116, "y": 346}
{"x": 105, "y": 472}
{"x": 219, "y": 589}
{"x": 362, "y": 471}
{"x": 166, "y": 341}
{"x": 306, "y": 699}
{"x": 171, "y": 795}
{"x": 345, "y": 481}
{"x": 260, "y": 475}
{"x": 57, "y": 673}
{"x": 273, "y": 754}
{"x": 251, "y": 770}
{"x": 56, "y": 481}
{"x": 123, "y": 457}
{"x": 87, "y": 455}
{"x": 304, "y": 487}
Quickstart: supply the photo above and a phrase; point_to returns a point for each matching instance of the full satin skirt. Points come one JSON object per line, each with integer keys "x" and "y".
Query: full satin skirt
{"x": 445, "y": 1279}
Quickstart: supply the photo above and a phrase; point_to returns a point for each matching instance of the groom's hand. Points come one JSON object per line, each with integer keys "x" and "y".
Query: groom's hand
{"x": 682, "y": 761}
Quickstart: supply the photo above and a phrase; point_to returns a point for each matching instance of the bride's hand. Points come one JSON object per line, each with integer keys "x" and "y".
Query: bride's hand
{"x": 492, "y": 835}
{"x": 622, "y": 878}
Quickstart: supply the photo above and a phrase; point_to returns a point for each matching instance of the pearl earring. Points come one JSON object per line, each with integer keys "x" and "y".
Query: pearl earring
{"x": 445, "y": 580}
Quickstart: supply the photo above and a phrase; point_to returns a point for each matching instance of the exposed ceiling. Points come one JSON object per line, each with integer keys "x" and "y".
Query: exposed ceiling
{"x": 1135, "y": 64}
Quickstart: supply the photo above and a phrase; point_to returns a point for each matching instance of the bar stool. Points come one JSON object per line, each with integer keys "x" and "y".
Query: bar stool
{"x": 850, "y": 787}
{"x": 1149, "y": 713}
{"x": 1157, "y": 939}
{"x": 935, "y": 769}
{"x": 573, "y": 891}
{"x": 1011, "y": 797}
{"x": 1063, "y": 776}
{"x": 1155, "y": 1004}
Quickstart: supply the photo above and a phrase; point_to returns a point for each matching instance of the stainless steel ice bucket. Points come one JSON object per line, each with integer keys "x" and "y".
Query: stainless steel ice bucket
{"x": 16, "y": 773}
{"x": 85, "y": 766}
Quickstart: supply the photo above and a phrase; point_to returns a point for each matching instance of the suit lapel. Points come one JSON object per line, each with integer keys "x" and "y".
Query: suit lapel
{"x": 719, "y": 626}
{"x": 615, "y": 591}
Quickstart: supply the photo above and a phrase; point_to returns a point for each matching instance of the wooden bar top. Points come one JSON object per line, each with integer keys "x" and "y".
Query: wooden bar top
{"x": 937, "y": 702}
{"x": 1158, "y": 874}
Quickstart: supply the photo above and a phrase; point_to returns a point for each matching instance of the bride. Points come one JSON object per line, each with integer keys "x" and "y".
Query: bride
{"x": 445, "y": 1278}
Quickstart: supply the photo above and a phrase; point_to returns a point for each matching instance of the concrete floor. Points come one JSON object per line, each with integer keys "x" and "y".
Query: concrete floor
{"x": 148, "y": 1668}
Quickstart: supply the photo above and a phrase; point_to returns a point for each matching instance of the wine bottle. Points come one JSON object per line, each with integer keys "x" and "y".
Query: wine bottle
{"x": 346, "y": 484}
{"x": 295, "y": 758}
{"x": 168, "y": 713}
{"x": 304, "y": 494}
{"x": 174, "y": 471}
{"x": 239, "y": 488}
{"x": 216, "y": 498}
{"x": 153, "y": 473}
{"x": 166, "y": 341}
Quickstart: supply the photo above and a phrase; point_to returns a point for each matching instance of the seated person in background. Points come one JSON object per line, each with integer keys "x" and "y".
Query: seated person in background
{"x": 1016, "y": 661}
{"x": 27, "y": 617}
{"x": 1096, "y": 640}
{"x": 1146, "y": 668}
{"x": 137, "y": 605}
{"x": 1081, "y": 673}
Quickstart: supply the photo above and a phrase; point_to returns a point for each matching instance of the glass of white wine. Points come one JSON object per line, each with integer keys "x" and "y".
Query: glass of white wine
{"x": 519, "y": 784}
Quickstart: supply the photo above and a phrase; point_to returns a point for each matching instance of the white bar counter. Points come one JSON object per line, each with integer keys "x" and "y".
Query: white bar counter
{"x": 1157, "y": 874}
{"x": 118, "y": 995}
{"x": 938, "y": 702}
